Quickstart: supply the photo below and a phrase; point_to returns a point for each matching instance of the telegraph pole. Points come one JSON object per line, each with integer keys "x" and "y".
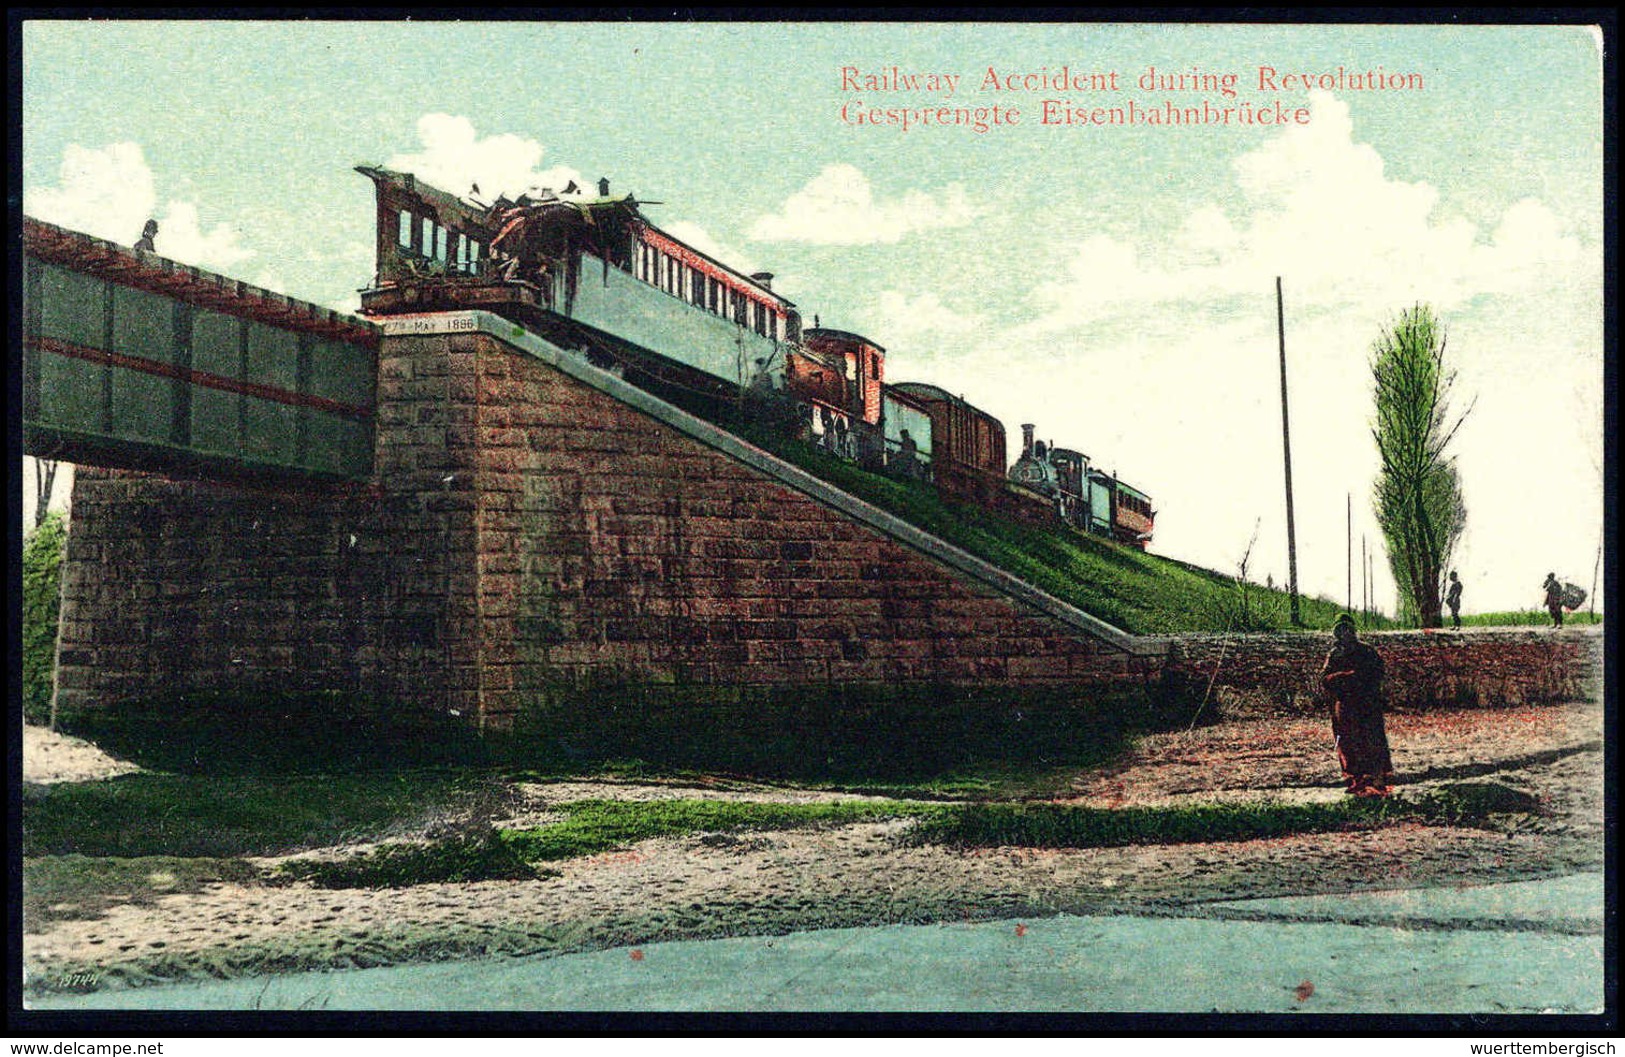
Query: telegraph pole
{"x": 1371, "y": 572}
{"x": 1365, "y": 582}
{"x": 1286, "y": 448}
{"x": 1349, "y": 565}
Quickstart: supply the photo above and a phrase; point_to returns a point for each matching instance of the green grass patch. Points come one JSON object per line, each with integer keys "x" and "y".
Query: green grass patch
{"x": 80, "y": 887}
{"x": 593, "y": 826}
{"x": 192, "y": 815}
{"x": 453, "y": 860}
{"x": 1138, "y": 592}
{"x": 1472, "y": 803}
{"x": 991, "y": 781}
{"x": 1523, "y": 618}
{"x": 1065, "y": 826}
{"x": 987, "y": 825}
{"x": 589, "y": 827}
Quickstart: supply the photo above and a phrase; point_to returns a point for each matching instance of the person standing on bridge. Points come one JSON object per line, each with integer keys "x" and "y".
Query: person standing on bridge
{"x": 1353, "y": 675}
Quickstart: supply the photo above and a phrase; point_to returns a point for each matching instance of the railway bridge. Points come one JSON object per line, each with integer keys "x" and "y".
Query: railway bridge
{"x": 131, "y": 360}
{"x": 447, "y": 511}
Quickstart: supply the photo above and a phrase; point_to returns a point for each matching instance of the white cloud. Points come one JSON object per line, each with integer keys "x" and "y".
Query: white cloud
{"x": 1317, "y": 208}
{"x": 838, "y": 207}
{"x": 454, "y": 158}
{"x": 1156, "y": 353}
{"x": 110, "y": 194}
{"x": 270, "y": 280}
{"x": 702, "y": 240}
{"x": 912, "y": 321}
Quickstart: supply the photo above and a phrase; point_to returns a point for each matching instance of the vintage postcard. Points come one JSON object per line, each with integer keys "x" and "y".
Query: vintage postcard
{"x": 1096, "y": 518}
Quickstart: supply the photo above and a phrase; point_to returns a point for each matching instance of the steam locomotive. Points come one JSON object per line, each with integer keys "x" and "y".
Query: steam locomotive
{"x": 590, "y": 272}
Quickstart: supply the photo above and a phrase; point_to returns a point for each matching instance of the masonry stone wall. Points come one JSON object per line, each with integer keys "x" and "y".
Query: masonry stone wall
{"x": 1280, "y": 673}
{"x": 525, "y": 534}
{"x": 613, "y": 547}
{"x": 173, "y": 586}
{"x": 531, "y": 530}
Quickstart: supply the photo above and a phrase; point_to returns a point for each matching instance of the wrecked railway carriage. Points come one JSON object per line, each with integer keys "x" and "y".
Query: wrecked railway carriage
{"x": 590, "y": 272}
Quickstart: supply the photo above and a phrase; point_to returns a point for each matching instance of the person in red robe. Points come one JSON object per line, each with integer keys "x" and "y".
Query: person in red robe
{"x": 1353, "y": 675}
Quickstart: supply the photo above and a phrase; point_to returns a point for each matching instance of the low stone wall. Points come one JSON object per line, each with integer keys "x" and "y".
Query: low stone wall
{"x": 1280, "y": 673}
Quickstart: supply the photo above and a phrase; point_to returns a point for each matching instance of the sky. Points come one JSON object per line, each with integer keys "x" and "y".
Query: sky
{"x": 1113, "y": 283}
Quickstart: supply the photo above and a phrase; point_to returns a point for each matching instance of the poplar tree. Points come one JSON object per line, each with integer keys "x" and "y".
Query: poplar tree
{"x": 1418, "y": 492}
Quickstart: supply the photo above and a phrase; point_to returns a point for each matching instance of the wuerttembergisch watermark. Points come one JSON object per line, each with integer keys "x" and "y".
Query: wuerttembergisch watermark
{"x": 993, "y": 99}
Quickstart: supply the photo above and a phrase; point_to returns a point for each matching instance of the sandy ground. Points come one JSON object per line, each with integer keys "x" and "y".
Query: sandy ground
{"x": 49, "y": 758}
{"x": 766, "y": 883}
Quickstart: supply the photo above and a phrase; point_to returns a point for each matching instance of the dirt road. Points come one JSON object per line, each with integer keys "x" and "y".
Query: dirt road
{"x": 766, "y": 883}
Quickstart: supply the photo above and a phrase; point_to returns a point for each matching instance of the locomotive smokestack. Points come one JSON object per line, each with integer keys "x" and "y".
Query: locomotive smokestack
{"x": 765, "y": 280}
{"x": 1027, "y": 437}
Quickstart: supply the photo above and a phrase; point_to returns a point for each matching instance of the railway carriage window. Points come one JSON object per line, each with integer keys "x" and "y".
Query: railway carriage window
{"x": 403, "y": 229}
{"x": 699, "y": 288}
{"x": 467, "y": 253}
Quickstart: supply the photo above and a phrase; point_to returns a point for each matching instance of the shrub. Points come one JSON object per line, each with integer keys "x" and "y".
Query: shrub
{"x": 42, "y": 603}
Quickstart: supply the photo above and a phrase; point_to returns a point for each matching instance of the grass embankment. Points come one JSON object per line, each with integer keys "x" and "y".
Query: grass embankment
{"x": 1524, "y": 618}
{"x": 1141, "y": 593}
